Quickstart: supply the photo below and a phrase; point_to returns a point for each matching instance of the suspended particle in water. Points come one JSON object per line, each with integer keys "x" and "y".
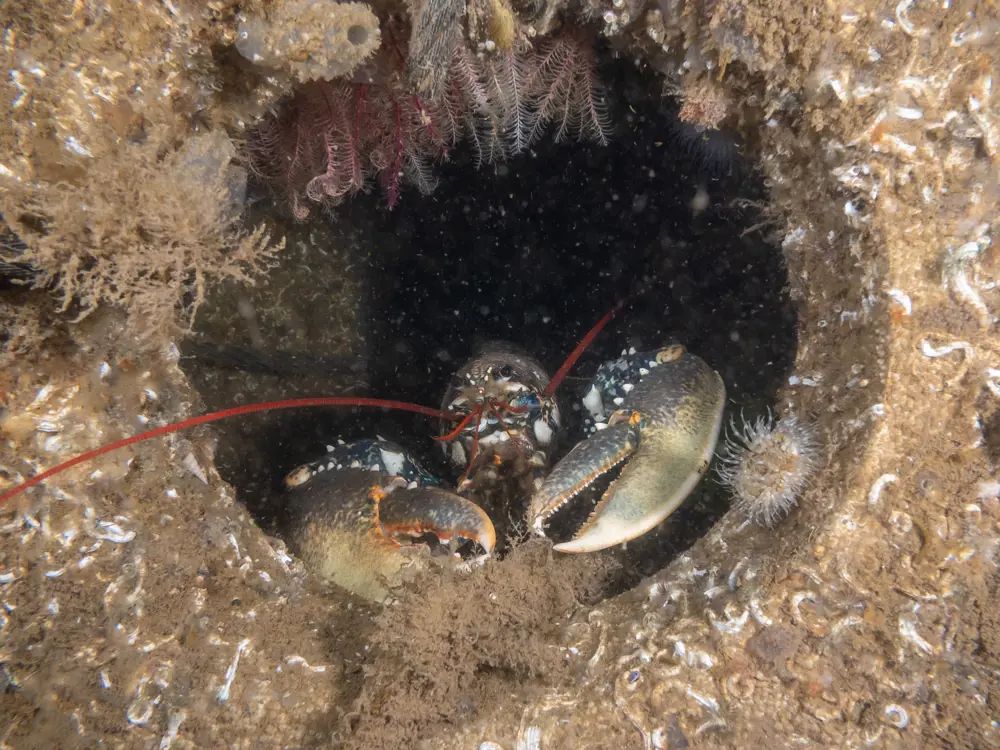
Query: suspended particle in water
{"x": 767, "y": 464}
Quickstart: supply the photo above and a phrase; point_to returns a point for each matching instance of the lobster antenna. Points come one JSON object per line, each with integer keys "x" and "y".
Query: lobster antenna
{"x": 563, "y": 371}
{"x": 216, "y": 416}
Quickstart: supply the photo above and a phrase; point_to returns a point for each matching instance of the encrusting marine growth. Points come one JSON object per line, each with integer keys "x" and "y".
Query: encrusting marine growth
{"x": 311, "y": 39}
{"x": 148, "y": 228}
{"x": 333, "y": 137}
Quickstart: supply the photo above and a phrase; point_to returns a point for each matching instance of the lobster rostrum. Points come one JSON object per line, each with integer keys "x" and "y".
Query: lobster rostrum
{"x": 511, "y": 424}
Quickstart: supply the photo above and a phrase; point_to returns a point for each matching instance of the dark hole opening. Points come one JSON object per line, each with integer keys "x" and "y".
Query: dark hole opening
{"x": 533, "y": 252}
{"x": 357, "y": 35}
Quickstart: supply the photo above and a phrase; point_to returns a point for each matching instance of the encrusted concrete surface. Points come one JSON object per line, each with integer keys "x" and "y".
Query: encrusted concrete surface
{"x": 142, "y": 607}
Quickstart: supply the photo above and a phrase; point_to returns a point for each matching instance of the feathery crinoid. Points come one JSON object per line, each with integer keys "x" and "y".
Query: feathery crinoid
{"x": 403, "y": 137}
{"x": 311, "y": 150}
{"x": 333, "y": 138}
{"x": 552, "y": 84}
{"x": 565, "y": 92}
{"x": 466, "y": 110}
{"x": 512, "y": 112}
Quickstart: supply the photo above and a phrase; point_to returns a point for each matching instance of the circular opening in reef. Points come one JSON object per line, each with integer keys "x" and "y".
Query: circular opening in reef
{"x": 357, "y": 34}
{"x": 532, "y": 251}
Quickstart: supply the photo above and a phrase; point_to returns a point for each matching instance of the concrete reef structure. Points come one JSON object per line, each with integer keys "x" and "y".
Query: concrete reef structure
{"x": 141, "y": 606}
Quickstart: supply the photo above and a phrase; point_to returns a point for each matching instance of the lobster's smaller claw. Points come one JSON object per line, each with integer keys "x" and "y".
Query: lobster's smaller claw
{"x": 344, "y": 526}
{"x": 432, "y": 510}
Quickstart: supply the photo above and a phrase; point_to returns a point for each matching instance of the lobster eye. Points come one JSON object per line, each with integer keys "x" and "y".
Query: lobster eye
{"x": 506, "y": 371}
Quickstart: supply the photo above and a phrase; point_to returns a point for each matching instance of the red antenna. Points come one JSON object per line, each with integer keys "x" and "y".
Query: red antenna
{"x": 297, "y": 403}
{"x": 563, "y": 371}
{"x": 216, "y": 416}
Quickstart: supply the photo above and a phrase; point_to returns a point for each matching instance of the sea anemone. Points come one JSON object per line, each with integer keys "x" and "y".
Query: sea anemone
{"x": 766, "y": 464}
